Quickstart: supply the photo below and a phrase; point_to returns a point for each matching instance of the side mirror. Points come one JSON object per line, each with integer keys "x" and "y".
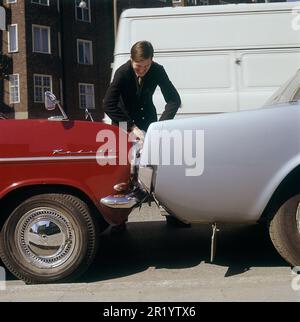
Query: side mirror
{"x": 50, "y": 101}
{"x": 50, "y": 104}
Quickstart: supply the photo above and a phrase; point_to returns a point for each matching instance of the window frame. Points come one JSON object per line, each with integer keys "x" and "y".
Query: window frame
{"x": 18, "y": 88}
{"x": 49, "y": 39}
{"x": 17, "y": 39}
{"x": 91, "y": 52}
{"x": 79, "y": 95}
{"x": 82, "y": 10}
{"x": 41, "y": 4}
{"x": 34, "y": 87}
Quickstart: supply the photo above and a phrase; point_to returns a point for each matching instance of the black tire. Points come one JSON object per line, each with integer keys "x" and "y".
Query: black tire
{"x": 49, "y": 238}
{"x": 284, "y": 231}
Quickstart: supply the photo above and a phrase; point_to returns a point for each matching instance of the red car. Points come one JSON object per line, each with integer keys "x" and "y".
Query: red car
{"x": 51, "y": 184}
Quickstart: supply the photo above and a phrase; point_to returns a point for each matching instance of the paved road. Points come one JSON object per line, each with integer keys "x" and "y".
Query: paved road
{"x": 153, "y": 262}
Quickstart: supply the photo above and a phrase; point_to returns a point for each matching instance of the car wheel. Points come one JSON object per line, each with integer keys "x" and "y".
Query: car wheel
{"x": 284, "y": 230}
{"x": 49, "y": 238}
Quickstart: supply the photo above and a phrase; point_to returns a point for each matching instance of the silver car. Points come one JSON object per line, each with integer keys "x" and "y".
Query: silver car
{"x": 241, "y": 167}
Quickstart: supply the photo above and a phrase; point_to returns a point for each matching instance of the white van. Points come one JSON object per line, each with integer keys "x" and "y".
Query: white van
{"x": 220, "y": 58}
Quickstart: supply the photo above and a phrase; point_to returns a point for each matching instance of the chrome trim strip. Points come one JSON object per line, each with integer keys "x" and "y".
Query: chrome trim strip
{"x": 62, "y": 152}
{"x": 20, "y": 159}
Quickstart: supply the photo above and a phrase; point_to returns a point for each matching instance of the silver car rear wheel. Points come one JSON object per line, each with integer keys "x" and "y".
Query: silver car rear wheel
{"x": 284, "y": 231}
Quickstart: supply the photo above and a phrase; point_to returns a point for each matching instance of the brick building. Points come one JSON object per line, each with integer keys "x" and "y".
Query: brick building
{"x": 59, "y": 46}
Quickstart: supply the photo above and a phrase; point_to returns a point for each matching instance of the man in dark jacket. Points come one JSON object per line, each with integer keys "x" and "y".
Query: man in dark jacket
{"x": 129, "y": 97}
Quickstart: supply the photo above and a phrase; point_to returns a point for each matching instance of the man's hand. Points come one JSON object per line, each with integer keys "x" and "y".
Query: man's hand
{"x": 138, "y": 133}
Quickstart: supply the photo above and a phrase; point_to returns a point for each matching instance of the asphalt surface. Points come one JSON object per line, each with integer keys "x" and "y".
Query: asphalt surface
{"x": 154, "y": 262}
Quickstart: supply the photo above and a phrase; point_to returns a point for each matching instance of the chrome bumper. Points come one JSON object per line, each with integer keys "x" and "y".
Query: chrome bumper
{"x": 141, "y": 191}
{"x": 126, "y": 201}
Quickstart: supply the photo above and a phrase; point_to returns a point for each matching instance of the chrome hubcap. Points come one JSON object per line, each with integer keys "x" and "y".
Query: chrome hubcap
{"x": 45, "y": 237}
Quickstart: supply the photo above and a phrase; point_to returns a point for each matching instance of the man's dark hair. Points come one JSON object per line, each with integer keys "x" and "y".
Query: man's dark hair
{"x": 142, "y": 50}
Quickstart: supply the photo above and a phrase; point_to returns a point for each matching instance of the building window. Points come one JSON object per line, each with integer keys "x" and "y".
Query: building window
{"x": 41, "y": 39}
{"x": 86, "y": 96}
{"x": 11, "y": 1}
{"x": 197, "y": 2}
{"x": 41, "y": 2}
{"x": 84, "y": 52}
{"x": 83, "y": 14}
{"x": 14, "y": 89}
{"x": 12, "y": 38}
{"x": 42, "y": 84}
